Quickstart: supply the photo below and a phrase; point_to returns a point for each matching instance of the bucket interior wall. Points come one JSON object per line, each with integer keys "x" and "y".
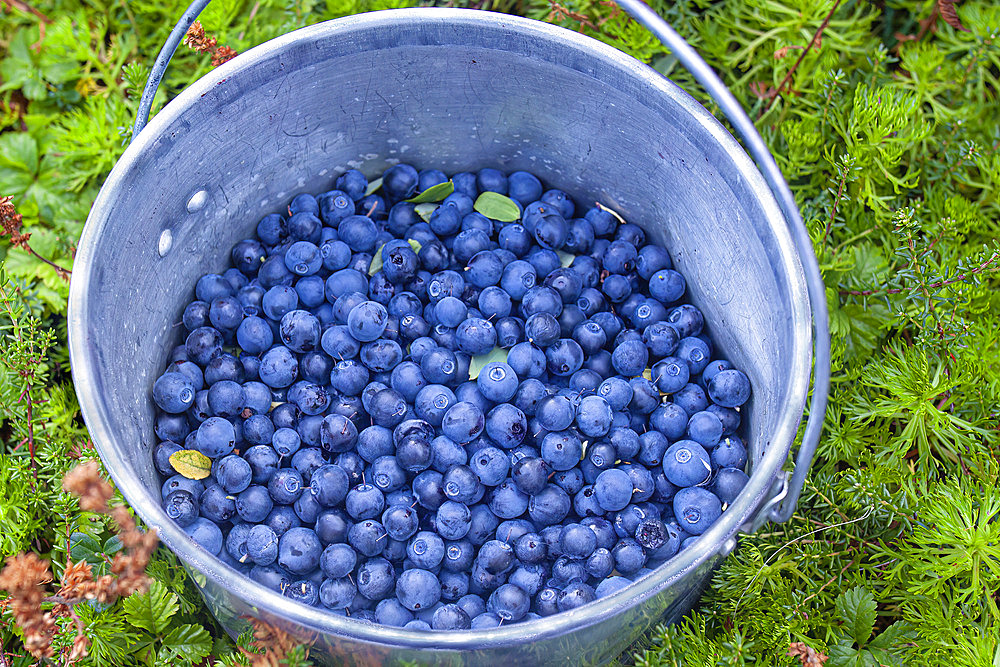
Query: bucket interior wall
{"x": 434, "y": 97}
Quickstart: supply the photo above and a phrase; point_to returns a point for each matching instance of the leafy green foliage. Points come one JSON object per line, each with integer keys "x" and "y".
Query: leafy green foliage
{"x": 882, "y": 117}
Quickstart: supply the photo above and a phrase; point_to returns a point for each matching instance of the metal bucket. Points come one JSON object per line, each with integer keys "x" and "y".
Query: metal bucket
{"x": 456, "y": 90}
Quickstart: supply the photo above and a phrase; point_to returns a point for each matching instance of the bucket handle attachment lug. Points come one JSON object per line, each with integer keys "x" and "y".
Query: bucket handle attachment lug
{"x": 781, "y": 505}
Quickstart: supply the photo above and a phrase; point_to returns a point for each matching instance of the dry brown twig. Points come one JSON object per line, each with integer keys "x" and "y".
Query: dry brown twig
{"x": 807, "y": 655}
{"x": 272, "y": 645}
{"x": 25, "y": 574}
{"x": 198, "y": 40}
{"x": 816, "y": 42}
{"x": 10, "y": 225}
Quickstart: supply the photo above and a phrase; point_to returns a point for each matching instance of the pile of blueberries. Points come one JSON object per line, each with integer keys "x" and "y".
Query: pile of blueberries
{"x": 365, "y": 459}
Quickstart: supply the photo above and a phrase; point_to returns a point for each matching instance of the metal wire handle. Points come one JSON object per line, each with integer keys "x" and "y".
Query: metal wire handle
{"x": 782, "y": 504}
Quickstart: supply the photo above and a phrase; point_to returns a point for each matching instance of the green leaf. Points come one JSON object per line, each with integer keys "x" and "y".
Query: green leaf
{"x": 373, "y": 187}
{"x": 497, "y": 207}
{"x": 191, "y": 463}
{"x": 425, "y": 210}
{"x": 153, "y": 609}
{"x": 843, "y": 654}
{"x": 434, "y": 193}
{"x": 860, "y": 325}
{"x": 188, "y": 642}
{"x": 85, "y": 547}
{"x": 565, "y": 259}
{"x": 480, "y": 360}
{"x": 18, "y": 162}
{"x": 897, "y": 633}
{"x": 856, "y": 608}
{"x": 221, "y": 13}
{"x": 376, "y": 264}
{"x": 112, "y": 545}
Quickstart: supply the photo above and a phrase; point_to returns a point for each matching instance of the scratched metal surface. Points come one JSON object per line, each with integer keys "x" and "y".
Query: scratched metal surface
{"x": 453, "y": 90}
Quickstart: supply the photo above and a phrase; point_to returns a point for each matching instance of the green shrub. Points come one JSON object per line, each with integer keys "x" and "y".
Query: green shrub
{"x": 884, "y": 118}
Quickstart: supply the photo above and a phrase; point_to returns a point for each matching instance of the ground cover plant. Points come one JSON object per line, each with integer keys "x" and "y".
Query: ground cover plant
{"x": 884, "y": 118}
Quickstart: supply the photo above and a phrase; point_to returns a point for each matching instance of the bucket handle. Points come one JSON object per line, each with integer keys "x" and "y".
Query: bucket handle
{"x": 781, "y": 505}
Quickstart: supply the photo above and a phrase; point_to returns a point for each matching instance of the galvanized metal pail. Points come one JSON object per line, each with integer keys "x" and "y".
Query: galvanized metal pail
{"x": 456, "y": 90}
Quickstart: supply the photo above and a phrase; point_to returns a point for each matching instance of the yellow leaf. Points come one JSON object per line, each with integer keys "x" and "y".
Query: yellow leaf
{"x": 191, "y": 464}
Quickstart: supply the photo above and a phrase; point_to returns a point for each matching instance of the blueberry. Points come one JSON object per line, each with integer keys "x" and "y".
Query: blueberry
{"x": 285, "y": 486}
{"x": 368, "y": 537}
{"x": 418, "y": 589}
{"x": 281, "y": 519}
{"x": 704, "y": 428}
{"x": 546, "y": 601}
{"x": 667, "y": 286}
{"x": 495, "y": 556}
{"x": 390, "y": 612}
{"x": 730, "y": 453}
{"x": 549, "y": 506}
{"x": 630, "y": 358}
{"x": 400, "y": 181}
{"x": 629, "y": 556}
{"x": 463, "y": 422}
{"x": 182, "y": 507}
{"x": 367, "y": 320}
{"x": 497, "y": 382}
{"x": 337, "y": 593}
{"x": 233, "y": 473}
{"x": 509, "y": 602}
{"x": 426, "y": 550}
{"x": 728, "y": 483}
{"x": 400, "y": 522}
{"x": 686, "y": 463}
{"x": 206, "y": 534}
{"x": 555, "y": 413}
{"x": 602, "y": 455}
{"x": 577, "y": 541}
{"x": 173, "y": 392}
{"x": 652, "y": 448}
{"x": 476, "y": 336}
{"x": 417, "y": 624}
{"x": 376, "y": 578}
{"x": 216, "y": 437}
{"x": 162, "y": 454}
{"x": 687, "y": 319}
{"x": 564, "y": 357}
{"x": 696, "y": 509}
{"x": 527, "y": 360}
{"x": 286, "y": 441}
{"x": 364, "y": 501}
{"x": 542, "y": 329}
{"x": 613, "y": 489}
{"x": 575, "y": 595}
{"x": 593, "y": 416}
{"x": 729, "y": 388}
{"x": 262, "y": 458}
{"x": 262, "y": 545}
{"x": 458, "y": 556}
{"x": 279, "y": 367}
{"x": 304, "y": 591}
{"x": 562, "y": 450}
{"x": 695, "y": 353}
{"x": 254, "y": 503}
{"x": 506, "y": 501}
